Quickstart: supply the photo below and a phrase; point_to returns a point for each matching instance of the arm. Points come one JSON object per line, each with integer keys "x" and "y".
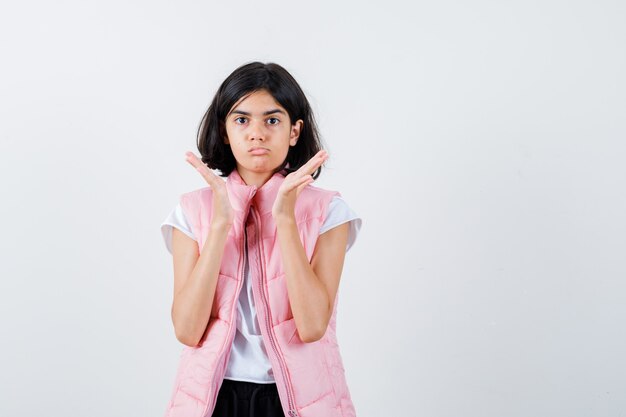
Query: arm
{"x": 195, "y": 280}
{"x": 195, "y": 276}
{"x": 312, "y": 287}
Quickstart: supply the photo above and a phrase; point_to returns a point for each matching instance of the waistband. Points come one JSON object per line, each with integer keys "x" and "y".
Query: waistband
{"x": 250, "y": 390}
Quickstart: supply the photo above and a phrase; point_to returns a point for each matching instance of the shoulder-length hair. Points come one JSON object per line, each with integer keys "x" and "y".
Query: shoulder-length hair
{"x": 247, "y": 79}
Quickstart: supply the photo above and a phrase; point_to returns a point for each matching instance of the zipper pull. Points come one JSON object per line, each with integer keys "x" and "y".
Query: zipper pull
{"x": 293, "y": 413}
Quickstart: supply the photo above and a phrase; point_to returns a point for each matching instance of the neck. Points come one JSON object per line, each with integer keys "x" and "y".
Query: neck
{"x": 254, "y": 178}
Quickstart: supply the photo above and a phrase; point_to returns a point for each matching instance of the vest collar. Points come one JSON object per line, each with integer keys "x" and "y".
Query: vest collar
{"x": 242, "y": 194}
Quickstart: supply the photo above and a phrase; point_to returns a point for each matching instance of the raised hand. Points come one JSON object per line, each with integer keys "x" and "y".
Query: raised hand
{"x": 290, "y": 189}
{"x": 223, "y": 213}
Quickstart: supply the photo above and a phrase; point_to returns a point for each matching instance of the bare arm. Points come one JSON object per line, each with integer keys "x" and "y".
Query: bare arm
{"x": 195, "y": 275}
{"x": 312, "y": 287}
{"x": 195, "y": 280}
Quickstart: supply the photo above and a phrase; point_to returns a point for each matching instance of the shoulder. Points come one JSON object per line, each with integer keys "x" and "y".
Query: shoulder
{"x": 197, "y": 200}
{"x": 176, "y": 219}
{"x": 339, "y": 204}
{"x": 317, "y": 193}
{"x": 196, "y": 194}
{"x": 339, "y": 212}
{"x": 197, "y": 205}
{"x": 316, "y": 198}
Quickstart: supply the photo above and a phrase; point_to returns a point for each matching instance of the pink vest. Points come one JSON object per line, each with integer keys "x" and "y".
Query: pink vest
{"x": 309, "y": 376}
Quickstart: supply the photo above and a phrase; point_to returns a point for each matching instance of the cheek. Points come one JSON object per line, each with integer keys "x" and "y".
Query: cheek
{"x": 236, "y": 143}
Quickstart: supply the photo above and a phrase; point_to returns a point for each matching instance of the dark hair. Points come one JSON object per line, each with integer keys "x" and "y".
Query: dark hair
{"x": 246, "y": 79}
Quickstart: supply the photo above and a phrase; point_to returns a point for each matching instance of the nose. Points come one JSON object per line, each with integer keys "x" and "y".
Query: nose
{"x": 257, "y": 131}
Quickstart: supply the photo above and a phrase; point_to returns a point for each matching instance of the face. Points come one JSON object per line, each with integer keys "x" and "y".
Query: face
{"x": 259, "y": 133}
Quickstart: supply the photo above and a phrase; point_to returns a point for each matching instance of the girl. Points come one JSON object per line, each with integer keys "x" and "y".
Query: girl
{"x": 258, "y": 259}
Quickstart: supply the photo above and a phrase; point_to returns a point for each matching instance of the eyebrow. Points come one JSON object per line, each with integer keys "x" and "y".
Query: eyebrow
{"x": 245, "y": 113}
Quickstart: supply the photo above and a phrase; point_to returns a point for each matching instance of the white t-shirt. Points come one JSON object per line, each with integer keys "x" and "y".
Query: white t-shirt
{"x": 248, "y": 358}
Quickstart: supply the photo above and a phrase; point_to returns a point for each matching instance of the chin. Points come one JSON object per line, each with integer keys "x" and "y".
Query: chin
{"x": 265, "y": 166}
{"x": 261, "y": 169}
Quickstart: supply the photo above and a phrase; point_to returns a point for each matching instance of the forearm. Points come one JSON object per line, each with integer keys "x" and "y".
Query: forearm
{"x": 307, "y": 296}
{"x": 192, "y": 306}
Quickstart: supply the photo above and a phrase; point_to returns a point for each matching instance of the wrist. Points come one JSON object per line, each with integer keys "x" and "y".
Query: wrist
{"x": 285, "y": 220}
{"x": 218, "y": 225}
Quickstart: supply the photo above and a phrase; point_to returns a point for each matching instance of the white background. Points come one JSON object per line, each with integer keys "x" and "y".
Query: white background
{"x": 481, "y": 142}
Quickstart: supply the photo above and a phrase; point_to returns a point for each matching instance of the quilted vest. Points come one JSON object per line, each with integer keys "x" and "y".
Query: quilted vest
{"x": 309, "y": 376}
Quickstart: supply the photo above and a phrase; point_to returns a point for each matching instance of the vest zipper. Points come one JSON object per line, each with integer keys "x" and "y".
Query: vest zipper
{"x": 268, "y": 320}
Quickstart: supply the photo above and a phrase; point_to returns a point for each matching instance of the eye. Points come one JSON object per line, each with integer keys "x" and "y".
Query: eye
{"x": 237, "y": 118}
{"x": 274, "y": 118}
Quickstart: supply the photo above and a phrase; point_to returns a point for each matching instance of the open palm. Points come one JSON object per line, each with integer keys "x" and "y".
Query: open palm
{"x": 222, "y": 209}
{"x": 290, "y": 189}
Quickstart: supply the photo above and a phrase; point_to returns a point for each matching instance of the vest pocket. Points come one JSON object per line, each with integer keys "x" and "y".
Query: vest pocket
{"x": 337, "y": 375}
{"x": 307, "y": 370}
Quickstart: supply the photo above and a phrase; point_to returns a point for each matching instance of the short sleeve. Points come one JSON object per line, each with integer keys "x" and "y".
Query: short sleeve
{"x": 338, "y": 213}
{"x": 175, "y": 219}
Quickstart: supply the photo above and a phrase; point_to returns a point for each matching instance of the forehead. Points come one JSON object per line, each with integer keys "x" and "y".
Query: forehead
{"x": 258, "y": 102}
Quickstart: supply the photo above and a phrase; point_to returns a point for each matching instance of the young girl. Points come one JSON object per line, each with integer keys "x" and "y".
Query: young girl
{"x": 258, "y": 259}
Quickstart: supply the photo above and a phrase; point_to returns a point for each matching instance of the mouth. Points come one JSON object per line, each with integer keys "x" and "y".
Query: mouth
{"x": 259, "y": 151}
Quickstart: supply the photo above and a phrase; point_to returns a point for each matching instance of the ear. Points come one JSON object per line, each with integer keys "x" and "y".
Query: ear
{"x": 295, "y": 132}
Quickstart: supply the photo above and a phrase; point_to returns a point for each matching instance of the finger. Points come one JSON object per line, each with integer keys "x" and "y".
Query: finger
{"x": 303, "y": 182}
{"x": 315, "y": 160}
{"x": 312, "y": 164}
{"x": 201, "y": 167}
{"x": 195, "y": 162}
{"x": 192, "y": 159}
{"x": 301, "y": 186}
{"x": 297, "y": 182}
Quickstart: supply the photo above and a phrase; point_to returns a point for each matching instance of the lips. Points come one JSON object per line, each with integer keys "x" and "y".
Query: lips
{"x": 259, "y": 151}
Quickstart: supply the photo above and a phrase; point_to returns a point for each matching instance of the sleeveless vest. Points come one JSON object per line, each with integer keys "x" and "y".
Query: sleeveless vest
{"x": 310, "y": 377}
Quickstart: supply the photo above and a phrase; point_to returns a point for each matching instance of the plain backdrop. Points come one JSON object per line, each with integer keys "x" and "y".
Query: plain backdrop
{"x": 481, "y": 142}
